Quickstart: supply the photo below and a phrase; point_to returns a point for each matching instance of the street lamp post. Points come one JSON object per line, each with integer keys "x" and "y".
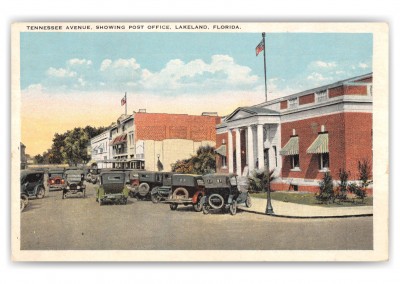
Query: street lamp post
{"x": 269, "y": 210}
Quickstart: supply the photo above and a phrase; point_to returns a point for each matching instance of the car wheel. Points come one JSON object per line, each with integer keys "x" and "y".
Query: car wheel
{"x": 40, "y": 193}
{"x": 155, "y": 198}
{"x": 248, "y": 201}
{"x": 180, "y": 193}
{"x": 206, "y": 209}
{"x": 198, "y": 206}
{"x": 25, "y": 198}
{"x": 143, "y": 189}
{"x": 173, "y": 206}
{"x": 233, "y": 207}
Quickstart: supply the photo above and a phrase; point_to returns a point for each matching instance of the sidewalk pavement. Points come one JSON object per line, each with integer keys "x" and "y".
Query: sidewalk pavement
{"x": 294, "y": 210}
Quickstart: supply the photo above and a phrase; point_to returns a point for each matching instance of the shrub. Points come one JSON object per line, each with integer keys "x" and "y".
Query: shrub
{"x": 341, "y": 190}
{"x": 258, "y": 180}
{"x": 364, "y": 174}
{"x": 326, "y": 192}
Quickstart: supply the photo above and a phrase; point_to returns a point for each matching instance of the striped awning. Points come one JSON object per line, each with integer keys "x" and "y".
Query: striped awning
{"x": 291, "y": 147}
{"x": 221, "y": 150}
{"x": 119, "y": 140}
{"x": 320, "y": 145}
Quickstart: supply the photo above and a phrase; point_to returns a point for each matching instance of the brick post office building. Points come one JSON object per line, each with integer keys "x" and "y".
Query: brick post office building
{"x": 301, "y": 136}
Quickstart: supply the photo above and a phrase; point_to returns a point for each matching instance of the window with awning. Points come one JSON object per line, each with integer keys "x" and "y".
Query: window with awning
{"x": 291, "y": 148}
{"x": 320, "y": 145}
{"x": 221, "y": 150}
{"x": 119, "y": 139}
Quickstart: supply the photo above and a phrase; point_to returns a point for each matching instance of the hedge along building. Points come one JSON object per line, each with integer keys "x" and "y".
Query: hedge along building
{"x": 301, "y": 136}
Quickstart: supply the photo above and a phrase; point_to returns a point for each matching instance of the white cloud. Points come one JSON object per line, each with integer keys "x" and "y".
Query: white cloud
{"x": 363, "y": 65}
{"x": 77, "y": 61}
{"x": 176, "y": 77}
{"x": 60, "y": 72}
{"x": 317, "y": 77}
{"x": 324, "y": 64}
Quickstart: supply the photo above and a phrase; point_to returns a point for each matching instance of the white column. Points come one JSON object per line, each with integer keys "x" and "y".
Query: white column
{"x": 238, "y": 154}
{"x": 260, "y": 146}
{"x": 249, "y": 150}
{"x": 230, "y": 151}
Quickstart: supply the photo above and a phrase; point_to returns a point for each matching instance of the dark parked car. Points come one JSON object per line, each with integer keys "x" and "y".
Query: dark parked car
{"x": 160, "y": 193}
{"x": 32, "y": 184}
{"x": 92, "y": 175}
{"x": 112, "y": 187}
{"x": 56, "y": 179}
{"x": 186, "y": 190}
{"x": 74, "y": 183}
{"x": 225, "y": 191}
{"x": 147, "y": 182}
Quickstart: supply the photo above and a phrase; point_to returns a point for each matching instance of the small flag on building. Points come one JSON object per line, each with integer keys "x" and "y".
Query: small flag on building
{"x": 123, "y": 101}
{"x": 259, "y": 48}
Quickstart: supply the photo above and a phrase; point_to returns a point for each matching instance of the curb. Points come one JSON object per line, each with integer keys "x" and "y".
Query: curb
{"x": 308, "y": 217}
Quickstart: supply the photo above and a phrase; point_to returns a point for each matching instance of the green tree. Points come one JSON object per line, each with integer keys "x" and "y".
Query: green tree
{"x": 326, "y": 192}
{"x": 258, "y": 180}
{"x": 202, "y": 163}
{"x": 38, "y": 159}
{"x": 74, "y": 151}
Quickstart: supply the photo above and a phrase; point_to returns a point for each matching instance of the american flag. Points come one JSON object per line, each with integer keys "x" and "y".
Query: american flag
{"x": 123, "y": 101}
{"x": 260, "y": 47}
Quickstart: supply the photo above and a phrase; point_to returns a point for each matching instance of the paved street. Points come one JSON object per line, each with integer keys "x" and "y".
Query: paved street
{"x": 81, "y": 224}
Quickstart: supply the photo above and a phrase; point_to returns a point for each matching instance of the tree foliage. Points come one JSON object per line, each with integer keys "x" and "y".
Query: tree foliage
{"x": 326, "y": 192}
{"x": 69, "y": 147}
{"x": 258, "y": 180}
{"x": 202, "y": 163}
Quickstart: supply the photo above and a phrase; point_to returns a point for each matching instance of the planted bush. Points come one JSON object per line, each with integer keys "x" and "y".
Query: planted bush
{"x": 258, "y": 180}
{"x": 326, "y": 192}
{"x": 342, "y": 189}
{"x": 364, "y": 175}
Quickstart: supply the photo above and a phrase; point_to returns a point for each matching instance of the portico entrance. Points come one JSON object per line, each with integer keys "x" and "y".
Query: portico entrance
{"x": 251, "y": 134}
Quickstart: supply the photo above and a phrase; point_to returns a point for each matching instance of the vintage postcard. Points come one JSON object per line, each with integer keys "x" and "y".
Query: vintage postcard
{"x": 200, "y": 141}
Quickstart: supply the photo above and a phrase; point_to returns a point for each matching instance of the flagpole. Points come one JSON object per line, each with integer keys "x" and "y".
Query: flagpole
{"x": 126, "y": 105}
{"x": 265, "y": 69}
{"x": 269, "y": 210}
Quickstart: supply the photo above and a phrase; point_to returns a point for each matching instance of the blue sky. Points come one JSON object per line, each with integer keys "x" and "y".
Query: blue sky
{"x": 173, "y": 64}
{"x": 78, "y": 79}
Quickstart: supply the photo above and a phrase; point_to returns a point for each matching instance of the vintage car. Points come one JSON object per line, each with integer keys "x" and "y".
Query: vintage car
{"x": 147, "y": 182}
{"x": 92, "y": 175}
{"x": 186, "y": 190}
{"x": 160, "y": 193}
{"x": 74, "y": 183}
{"x": 32, "y": 185}
{"x": 112, "y": 187}
{"x": 55, "y": 179}
{"x": 225, "y": 191}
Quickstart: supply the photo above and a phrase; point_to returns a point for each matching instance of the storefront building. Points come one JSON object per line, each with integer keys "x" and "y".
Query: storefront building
{"x": 153, "y": 141}
{"x": 301, "y": 136}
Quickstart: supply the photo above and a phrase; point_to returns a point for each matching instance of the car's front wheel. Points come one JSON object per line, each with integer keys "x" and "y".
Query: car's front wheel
{"x": 155, "y": 198}
{"x": 206, "y": 209}
{"x": 198, "y": 206}
{"x": 173, "y": 206}
{"x": 40, "y": 193}
{"x": 233, "y": 207}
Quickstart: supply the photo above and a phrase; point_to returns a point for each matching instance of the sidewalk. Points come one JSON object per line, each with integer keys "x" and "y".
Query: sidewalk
{"x": 293, "y": 210}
